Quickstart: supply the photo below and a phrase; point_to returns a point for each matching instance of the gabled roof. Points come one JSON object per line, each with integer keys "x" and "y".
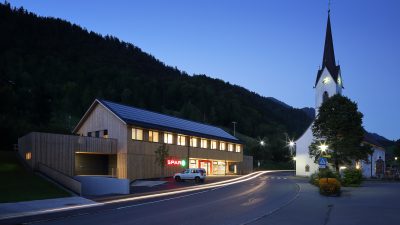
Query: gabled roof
{"x": 140, "y": 117}
{"x": 370, "y": 139}
{"x": 328, "y": 60}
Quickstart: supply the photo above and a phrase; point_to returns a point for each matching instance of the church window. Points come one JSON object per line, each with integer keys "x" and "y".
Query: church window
{"x": 307, "y": 168}
{"x": 325, "y": 97}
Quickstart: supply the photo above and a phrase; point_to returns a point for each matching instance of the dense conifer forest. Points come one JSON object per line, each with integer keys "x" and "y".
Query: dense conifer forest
{"x": 52, "y": 70}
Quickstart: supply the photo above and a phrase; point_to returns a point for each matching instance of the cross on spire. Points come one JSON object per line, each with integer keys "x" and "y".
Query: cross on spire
{"x": 329, "y": 6}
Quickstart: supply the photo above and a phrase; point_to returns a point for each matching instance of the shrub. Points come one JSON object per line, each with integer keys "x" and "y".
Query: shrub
{"x": 323, "y": 173}
{"x": 314, "y": 179}
{"x": 327, "y": 173}
{"x": 352, "y": 177}
{"x": 329, "y": 186}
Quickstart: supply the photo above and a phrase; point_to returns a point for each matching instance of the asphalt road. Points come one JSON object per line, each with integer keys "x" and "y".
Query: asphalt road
{"x": 239, "y": 203}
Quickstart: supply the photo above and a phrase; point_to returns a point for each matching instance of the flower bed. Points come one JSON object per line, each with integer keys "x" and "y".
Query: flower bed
{"x": 329, "y": 186}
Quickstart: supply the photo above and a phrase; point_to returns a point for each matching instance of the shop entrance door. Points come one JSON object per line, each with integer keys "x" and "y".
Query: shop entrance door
{"x": 206, "y": 164}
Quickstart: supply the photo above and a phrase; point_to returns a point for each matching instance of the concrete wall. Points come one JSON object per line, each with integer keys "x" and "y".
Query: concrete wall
{"x": 100, "y": 185}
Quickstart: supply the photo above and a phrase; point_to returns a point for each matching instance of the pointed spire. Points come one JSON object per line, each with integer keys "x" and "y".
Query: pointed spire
{"x": 328, "y": 59}
{"x": 329, "y": 54}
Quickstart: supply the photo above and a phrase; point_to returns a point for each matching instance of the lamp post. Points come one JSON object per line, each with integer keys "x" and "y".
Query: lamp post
{"x": 262, "y": 144}
{"x": 292, "y": 147}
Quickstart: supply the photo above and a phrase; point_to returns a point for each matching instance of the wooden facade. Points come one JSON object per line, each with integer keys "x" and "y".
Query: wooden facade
{"x": 57, "y": 151}
{"x": 135, "y": 159}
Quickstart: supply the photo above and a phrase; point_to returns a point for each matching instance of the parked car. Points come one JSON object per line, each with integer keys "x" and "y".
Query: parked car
{"x": 196, "y": 174}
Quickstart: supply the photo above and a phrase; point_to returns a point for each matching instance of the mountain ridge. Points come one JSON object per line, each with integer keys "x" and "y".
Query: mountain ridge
{"x": 52, "y": 70}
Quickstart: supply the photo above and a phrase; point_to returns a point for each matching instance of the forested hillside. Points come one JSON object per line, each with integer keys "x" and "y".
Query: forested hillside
{"x": 52, "y": 70}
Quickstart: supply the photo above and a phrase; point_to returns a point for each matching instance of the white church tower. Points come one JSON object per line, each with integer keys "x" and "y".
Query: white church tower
{"x": 327, "y": 84}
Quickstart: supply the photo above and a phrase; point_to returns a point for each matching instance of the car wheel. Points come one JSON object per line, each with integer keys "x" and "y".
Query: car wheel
{"x": 178, "y": 179}
{"x": 197, "y": 179}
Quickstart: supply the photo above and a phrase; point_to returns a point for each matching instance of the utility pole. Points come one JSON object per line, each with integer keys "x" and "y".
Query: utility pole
{"x": 234, "y": 128}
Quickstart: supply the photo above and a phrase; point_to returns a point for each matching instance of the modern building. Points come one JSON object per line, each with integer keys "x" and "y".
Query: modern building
{"x": 120, "y": 140}
{"x": 327, "y": 84}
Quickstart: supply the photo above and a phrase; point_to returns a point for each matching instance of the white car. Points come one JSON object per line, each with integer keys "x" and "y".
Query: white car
{"x": 196, "y": 174}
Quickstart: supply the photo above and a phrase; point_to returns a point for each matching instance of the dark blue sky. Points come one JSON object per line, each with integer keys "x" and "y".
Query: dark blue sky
{"x": 271, "y": 47}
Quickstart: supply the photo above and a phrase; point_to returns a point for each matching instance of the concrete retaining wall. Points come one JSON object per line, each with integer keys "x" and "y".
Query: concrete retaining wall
{"x": 102, "y": 185}
{"x": 61, "y": 178}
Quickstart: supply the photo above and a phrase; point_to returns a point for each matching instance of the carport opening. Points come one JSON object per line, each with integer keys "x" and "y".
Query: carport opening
{"x": 95, "y": 164}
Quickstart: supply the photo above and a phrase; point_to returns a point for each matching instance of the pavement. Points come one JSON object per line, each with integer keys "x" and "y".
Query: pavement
{"x": 168, "y": 184}
{"x": 268, "y": 198}
{"x": 372, "y": 203}
{"x": 138, "y": 188}
{"x": 8, "y": 210}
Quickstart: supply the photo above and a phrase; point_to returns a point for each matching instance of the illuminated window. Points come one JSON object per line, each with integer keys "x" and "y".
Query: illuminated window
{"x": 28, "y": 155}
{"x": 238, "y": 148}
{"x": 193, "y": 142}
{"x": 181, "y": 140}
{"x": 153, "y": 136}
{"x": 230, "y": 147}
{"x": 222, "y": 146}
{"x": 105, "y": 133}
{"x": 213, "y": 144}
{"x": 168, "y": 138}
{"x": 203, "y": 143}
{"x": 137, "y": 134}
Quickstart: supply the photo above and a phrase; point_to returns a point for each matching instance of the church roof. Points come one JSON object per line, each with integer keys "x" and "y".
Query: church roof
{"x": 328, "y": 60}
{"x": 370, "y": 139}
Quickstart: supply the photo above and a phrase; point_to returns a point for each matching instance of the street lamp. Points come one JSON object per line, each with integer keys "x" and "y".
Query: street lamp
{"x": 395, "y": 158}
{"x": 262, "y": 142}
{"x": 323, "y": 147}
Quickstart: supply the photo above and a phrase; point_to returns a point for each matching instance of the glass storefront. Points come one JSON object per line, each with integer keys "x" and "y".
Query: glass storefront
{"x": 212, "y": 167}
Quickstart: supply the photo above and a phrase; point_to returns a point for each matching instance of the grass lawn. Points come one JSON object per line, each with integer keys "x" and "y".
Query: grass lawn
{"x": 18, "y": 184}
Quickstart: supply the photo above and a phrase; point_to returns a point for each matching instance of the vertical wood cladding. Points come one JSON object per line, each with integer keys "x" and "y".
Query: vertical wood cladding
{"x": 57, "y": 151}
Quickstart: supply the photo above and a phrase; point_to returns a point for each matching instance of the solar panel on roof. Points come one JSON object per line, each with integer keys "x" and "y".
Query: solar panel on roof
{"x": 132, "y": 115}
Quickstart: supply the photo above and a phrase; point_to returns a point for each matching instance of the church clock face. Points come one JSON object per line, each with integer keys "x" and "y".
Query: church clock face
{"x": 326, "y": 80}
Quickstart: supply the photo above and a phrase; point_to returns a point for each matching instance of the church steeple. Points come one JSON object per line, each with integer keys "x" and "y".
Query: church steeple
{"x": 328, "y": 60}
{"x": 329, "y": 53}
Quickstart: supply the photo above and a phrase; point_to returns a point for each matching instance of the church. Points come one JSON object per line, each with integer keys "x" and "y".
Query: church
{"x": 327, "y": 84}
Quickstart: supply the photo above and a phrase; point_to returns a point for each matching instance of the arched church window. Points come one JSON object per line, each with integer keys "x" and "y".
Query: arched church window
{"x": 325, "y": 97}
{"x": 307, "y": 168}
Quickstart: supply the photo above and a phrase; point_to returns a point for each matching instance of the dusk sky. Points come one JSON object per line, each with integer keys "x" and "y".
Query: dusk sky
{"x": 270, "y": 47}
